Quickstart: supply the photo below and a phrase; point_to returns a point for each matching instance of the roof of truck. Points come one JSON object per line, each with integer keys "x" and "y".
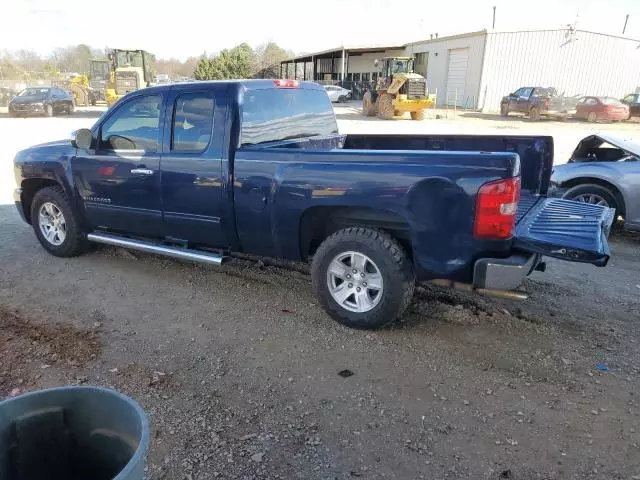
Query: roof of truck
{"x": 249, "y": 84}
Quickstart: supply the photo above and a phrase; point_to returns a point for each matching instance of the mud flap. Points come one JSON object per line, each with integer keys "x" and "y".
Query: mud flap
{"x": 566, "y": 229}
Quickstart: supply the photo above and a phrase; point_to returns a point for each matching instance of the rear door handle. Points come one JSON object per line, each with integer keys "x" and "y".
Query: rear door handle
{"x": 142, "y": 171}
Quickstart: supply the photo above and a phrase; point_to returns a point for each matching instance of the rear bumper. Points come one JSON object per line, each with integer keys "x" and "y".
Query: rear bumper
{"x": 503, "y": 273}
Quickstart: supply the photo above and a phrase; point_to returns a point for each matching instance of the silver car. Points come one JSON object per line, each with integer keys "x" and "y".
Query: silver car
{"x": 337, "y": 94}
{"x": 603, "y": 170}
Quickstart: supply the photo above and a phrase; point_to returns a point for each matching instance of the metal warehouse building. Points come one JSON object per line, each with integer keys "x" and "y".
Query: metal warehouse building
{"x": 476, "y": 70}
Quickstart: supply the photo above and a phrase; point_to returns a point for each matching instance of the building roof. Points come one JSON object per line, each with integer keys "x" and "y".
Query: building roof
{"x": 338, "y": 52}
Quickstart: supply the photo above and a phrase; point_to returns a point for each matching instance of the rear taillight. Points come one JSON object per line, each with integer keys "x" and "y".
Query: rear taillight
{"x": 496, "y": 207}
{"x": 286, "y": 83}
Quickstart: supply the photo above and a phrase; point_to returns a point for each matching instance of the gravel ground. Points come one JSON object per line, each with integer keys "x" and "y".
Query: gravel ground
{"x": 244, "y": 376}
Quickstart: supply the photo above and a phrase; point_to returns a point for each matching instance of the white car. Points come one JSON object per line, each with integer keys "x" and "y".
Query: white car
{"x": 337, "y": 94}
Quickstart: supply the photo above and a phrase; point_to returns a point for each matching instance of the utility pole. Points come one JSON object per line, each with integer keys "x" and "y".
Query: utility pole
{"x": 626, "y": 19}
{"x": 493, "y": 25}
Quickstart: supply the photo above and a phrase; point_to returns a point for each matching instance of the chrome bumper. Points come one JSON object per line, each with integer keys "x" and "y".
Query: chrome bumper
{"x": 503, "y": 273}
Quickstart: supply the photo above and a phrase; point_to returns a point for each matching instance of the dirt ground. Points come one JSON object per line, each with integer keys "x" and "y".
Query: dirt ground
{"x": 244, "y": 376}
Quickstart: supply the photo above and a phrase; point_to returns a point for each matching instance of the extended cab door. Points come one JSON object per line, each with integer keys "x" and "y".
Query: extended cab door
{"x": 191, "y": 164}
{"x": 119, "y": 177}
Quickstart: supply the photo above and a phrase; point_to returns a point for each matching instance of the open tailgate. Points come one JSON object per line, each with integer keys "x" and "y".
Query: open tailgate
{"x": 565, "y": 229}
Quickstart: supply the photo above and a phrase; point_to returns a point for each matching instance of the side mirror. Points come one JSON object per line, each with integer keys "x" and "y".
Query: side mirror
{"x": 82, "y": 138}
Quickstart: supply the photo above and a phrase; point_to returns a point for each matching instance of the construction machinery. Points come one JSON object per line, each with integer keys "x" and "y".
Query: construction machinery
{"x": 398, "y": 90}
{"x": 100, "y": 77}
{"x": 129, "y": 70}
{"x": 78, "y": 85}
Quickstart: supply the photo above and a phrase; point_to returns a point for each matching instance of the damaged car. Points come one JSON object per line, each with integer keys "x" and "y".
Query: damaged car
{"x": 603, "y": 170}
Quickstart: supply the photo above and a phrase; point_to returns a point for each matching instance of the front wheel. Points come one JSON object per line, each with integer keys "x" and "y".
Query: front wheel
{"x": 48, "y": 111}
{"x": 504, "y": 110}
{"x": 362, "y": 277}
{"x": 592, "y": 117}
{"x": 419, "y": 115}
{"x": 385, "y": 106}
{"x": 534, "y": 114}
{"x": 55, "y": 224}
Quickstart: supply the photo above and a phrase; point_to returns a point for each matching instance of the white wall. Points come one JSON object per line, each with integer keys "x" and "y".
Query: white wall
{"x": 438, "y": 64}
{"x": 365, "y": 62}
{"x": 584, "y": 63}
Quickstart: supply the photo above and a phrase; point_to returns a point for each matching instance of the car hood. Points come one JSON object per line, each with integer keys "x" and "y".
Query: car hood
{"x": 629, "y": 145}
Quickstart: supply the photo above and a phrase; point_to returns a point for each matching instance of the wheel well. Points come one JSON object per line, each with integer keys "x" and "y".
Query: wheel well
{"x": 574, "y": 182}
{"x": 30, "y": 187}
{"x": 318, "y": 223}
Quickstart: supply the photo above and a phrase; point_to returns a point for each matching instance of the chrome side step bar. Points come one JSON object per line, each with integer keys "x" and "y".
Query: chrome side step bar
{"x": 174, "y": 252}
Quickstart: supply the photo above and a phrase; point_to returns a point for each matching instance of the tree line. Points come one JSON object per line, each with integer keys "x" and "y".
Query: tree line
{"x": 241, "y": 61}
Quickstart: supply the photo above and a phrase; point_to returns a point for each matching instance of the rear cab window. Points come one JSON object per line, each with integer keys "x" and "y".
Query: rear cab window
{"x": 279, "y": 114}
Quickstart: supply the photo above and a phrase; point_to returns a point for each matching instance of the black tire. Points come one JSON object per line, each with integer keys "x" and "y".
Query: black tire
{"x": 534, "y": 114}
{"x": 342, "y": 99}
{"x": 504, "y": 110}
{"x": 385, "y": 106}
{"x": 70, "y": 109}
{"x": 586, "y": 189}
{"x": 48, "y": 110}
{"x": 394, "y": 266}
{"x": 75, "y": 241}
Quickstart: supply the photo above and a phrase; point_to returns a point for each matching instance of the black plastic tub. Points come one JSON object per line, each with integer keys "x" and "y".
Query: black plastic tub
{"x": 73, "y": 433}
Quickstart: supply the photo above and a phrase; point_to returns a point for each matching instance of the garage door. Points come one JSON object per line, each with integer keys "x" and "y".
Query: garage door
{"x": 457, "y": 76}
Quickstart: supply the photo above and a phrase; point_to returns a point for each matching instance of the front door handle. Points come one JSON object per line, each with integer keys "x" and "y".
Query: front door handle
{"x": 142, "y": 171}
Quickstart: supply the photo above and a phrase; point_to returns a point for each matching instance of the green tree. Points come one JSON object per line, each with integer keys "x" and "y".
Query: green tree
{"x": 203, "y": 70}
{"x": 237, "y": 62}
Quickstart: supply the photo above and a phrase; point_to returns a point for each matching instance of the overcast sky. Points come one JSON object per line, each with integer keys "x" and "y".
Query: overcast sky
{"x": 189, "y": 27}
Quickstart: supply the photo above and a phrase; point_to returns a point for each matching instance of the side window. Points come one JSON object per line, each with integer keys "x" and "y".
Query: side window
{"x": 192, "y": 122}
{"x": 519, "y": 92}
{"x": 135, "y": 125}
{"x": 591, "y": 101}
{"x": 629, "y": 99}
{"x": 526, "y": 92}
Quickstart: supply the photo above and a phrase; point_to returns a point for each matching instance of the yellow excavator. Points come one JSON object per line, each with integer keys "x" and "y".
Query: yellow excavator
{"x": 398, "y": 90}
{"x": 129, "y": 70}
{"x": 78, "y": 85}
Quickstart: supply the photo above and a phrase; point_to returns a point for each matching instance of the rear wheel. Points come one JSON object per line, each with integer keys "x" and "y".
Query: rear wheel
{"x": 342, "y": 99}
{"x": 592, "y": 117}
{"x": 419, "y": 115}
{"x": 71, "y": 108}
{"x": 362, "y": 277}
{"x": 594, "y": 195}
{"x": 48, "y": 110}
{"x": 504, "y": 110}
{"x": 368, "y": 107}
{"x": 385, "y": 106}
{"x": 534, "y": 114}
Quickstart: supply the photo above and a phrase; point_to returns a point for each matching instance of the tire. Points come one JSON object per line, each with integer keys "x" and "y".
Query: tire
{"x": 48, "y": 111}
{"x": 386, "y": 257}
{"x": 419, "y": 115}
{"x": 590, "y": 193}
{"x": 368, "y": 107}
{"x": 504, "y": 110}
{"x": 70, "y": 109}
{"x": 534, "y": 114}
{"x": 385, "y": 106}
{"x": 342, "y": 99}
{"x": 592, "y": 117}
{"x": 74, "y": 242}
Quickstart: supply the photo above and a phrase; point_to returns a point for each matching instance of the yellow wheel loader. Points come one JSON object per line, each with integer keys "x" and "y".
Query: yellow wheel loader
{"x": 130, "y": 70}
{"x": 78, "y": 85}
{"x": 398, "y": 90}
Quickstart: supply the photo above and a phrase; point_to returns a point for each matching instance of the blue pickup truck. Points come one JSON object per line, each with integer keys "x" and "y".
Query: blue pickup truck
{"x": 197, "y": 171}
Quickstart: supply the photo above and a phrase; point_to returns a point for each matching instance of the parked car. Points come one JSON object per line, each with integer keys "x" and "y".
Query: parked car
{"x": 603, "y": 170}
{"x": 537, "y": 102}
{"x": 272, "y": 177}
{"x": 6, "y": 94}
{"x": 337, "y": 94}
{"x": 633, "y": 102}
{"x": 47, "y": 101}
{"x": 593, "y": 109}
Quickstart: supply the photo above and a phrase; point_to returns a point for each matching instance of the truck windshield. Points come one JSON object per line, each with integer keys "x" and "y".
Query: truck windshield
{"x": 128, "y": 59}
{"x": 274, "y": 115}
